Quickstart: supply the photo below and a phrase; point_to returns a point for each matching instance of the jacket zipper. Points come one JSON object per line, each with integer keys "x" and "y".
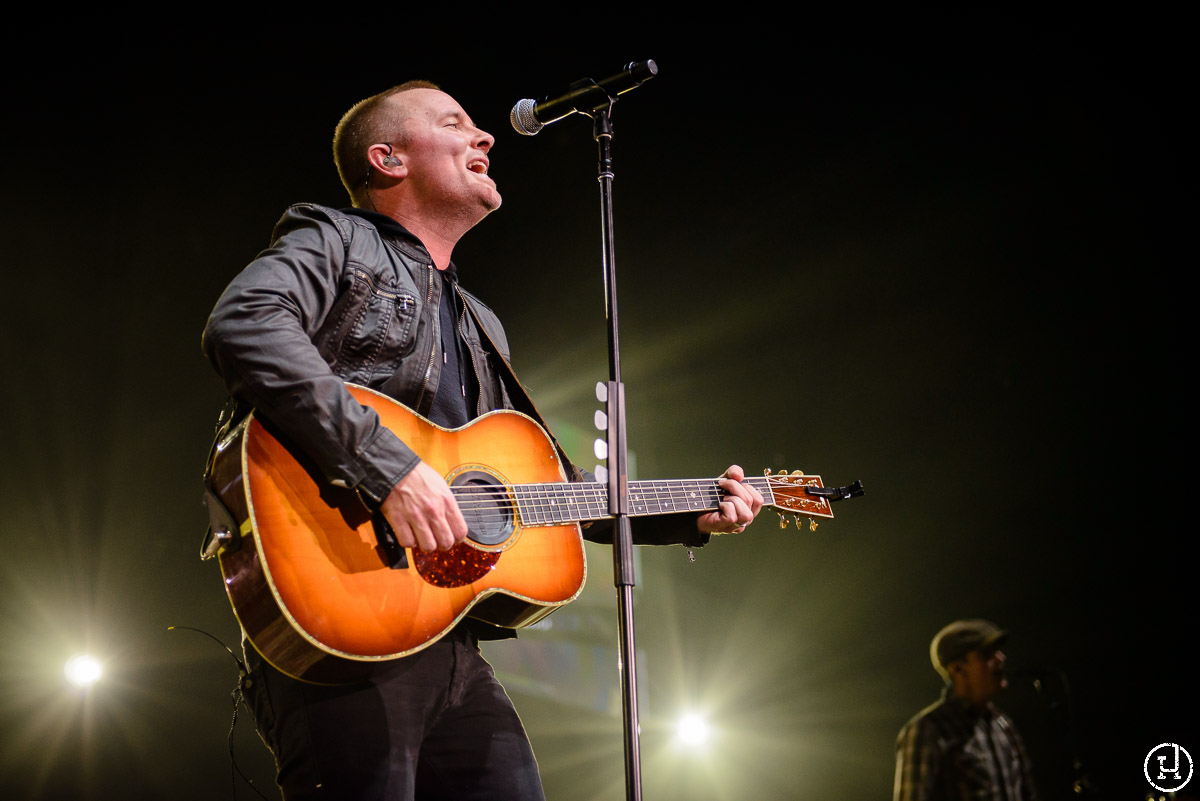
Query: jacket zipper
{"x": 470, "y": 351}
{"x": 433, "y": 340}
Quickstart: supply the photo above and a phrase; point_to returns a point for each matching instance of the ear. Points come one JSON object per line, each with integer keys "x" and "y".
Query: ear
{"x": 384, "y": 161}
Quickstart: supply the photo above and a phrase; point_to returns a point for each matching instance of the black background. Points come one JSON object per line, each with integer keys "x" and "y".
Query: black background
{"x": 944, "y": 255}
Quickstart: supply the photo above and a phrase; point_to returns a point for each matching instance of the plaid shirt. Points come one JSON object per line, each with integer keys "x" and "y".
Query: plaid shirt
{"x": 952, "y": 751}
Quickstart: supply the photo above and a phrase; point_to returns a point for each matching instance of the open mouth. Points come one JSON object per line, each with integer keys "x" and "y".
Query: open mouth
{"x": 479, "y": 167}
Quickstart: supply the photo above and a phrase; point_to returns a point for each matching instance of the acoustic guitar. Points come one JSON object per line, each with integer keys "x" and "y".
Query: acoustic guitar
{"x": 325, "y": 593}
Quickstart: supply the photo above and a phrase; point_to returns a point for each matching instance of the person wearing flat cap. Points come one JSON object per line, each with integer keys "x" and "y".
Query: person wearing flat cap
{"x": 963, "y": 748}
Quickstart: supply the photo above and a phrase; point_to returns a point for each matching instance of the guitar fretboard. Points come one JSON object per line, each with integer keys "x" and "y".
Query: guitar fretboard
{"x": 572, "y": 502}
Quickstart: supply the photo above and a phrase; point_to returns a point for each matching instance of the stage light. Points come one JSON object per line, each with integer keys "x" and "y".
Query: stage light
{"x": 82, "y": 670}
{"x": 692, "y": 730}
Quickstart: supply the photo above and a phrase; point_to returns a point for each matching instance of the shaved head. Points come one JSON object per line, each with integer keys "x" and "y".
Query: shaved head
{"x": 379, "y": 118}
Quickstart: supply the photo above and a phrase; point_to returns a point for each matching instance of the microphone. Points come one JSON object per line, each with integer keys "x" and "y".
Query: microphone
{"x": 530, "y": 116}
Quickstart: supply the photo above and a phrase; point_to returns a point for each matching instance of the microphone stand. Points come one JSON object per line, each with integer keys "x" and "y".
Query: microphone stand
{"x": 618, "y": 502}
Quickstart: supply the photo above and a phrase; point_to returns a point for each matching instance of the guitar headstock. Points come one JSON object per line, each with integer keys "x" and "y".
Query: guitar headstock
{"x": 791, "y": 499}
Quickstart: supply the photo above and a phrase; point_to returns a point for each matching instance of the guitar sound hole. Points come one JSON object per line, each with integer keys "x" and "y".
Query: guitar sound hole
{"x": 486, "y": 506}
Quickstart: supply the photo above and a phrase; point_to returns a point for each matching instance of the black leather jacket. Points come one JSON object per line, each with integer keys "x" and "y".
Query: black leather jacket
{"x": 333, "y": 300}
{"x": 330, "y": 301}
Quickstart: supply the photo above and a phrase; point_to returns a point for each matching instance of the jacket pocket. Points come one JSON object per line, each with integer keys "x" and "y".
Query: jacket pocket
{"x": 371, "y": 329}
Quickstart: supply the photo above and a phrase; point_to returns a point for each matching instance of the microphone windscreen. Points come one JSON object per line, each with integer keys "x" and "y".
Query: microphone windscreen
{"x": 522, "y": 118}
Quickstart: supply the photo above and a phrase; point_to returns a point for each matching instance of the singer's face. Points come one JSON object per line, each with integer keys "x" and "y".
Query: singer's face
{"x": 446, "y": 156}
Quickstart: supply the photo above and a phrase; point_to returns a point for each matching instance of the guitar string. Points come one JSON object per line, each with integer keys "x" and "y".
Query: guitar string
{"x": 533, "y": 516}
{"x": 576, "y": 501}
{"x": 658, "y": 487}
{"x": 567, "y": 492}
{"x": 598, "y": 492}
{"x": 540, "y": 502}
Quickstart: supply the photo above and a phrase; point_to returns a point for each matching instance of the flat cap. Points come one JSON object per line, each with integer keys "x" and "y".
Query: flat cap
{"x": 961, "y": 637}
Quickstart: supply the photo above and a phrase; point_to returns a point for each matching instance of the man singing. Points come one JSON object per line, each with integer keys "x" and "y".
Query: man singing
{"x": 369, "y": 295}
{"x": 963, "y": 748}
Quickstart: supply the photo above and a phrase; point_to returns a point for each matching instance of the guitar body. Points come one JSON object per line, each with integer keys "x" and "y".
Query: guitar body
{"x": 323, "y": 601}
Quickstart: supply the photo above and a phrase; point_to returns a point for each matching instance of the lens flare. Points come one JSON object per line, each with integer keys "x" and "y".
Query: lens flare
{"x": 82, "y": 670}
{"x": 693, "y": 730}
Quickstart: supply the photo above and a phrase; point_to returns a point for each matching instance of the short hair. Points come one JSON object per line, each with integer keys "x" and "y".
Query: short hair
{"x": 366, "y": 123}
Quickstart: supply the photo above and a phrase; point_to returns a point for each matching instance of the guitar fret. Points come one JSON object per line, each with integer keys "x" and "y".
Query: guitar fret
{"x": 571, "y": 502}
{"x": 597, "y": 504}
{"x": 763, "y": 485}
{"x": 637, "y": 502}
{"x": 558, "y": 503}
{"x": 561, "y": 503}
{"x": 525, "y": 508}
{"x": 679, "y": 495}
{"x": 544, "y": 507}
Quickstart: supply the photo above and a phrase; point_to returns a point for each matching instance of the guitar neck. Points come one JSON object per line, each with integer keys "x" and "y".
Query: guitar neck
{"x": 574, "y": 502}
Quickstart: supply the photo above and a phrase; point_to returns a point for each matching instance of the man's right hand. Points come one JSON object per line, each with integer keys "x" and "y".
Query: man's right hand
{"x": 423, "y": 512}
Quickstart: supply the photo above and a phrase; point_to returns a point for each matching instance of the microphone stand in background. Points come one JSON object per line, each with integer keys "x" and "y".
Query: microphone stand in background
{"x": 1036, "y": 677}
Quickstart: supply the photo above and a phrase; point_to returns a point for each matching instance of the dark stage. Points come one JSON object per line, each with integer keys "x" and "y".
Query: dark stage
{"x": 940, "y": 256}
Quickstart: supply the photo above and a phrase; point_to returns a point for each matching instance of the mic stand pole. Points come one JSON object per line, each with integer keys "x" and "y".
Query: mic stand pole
{"x": 618, "y": 502}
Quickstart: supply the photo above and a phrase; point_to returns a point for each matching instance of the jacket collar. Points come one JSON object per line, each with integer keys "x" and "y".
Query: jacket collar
{"x": 397, "y": 233}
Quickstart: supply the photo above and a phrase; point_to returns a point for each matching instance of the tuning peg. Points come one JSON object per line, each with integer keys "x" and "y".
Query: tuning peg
{"x": 601, "y": 473}
{"x": 783, "y": 521}
{"x": 600, "y": 419}
{"x": 767, "y": 472}
{"x": 812, "y": 524}
{"x": 600, "y": 448}
{"x": 601, "y": 392}
{"x": 797, "y": 472}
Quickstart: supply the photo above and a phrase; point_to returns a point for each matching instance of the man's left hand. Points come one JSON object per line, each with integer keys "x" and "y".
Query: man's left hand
{"x": 737, "y": 509}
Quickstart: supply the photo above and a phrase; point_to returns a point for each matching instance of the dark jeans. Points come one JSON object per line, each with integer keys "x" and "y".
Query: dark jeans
{"x": 435, "y": 725}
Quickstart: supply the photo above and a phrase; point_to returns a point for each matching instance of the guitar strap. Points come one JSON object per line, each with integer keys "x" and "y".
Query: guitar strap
{"x": 517, "y": 394}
